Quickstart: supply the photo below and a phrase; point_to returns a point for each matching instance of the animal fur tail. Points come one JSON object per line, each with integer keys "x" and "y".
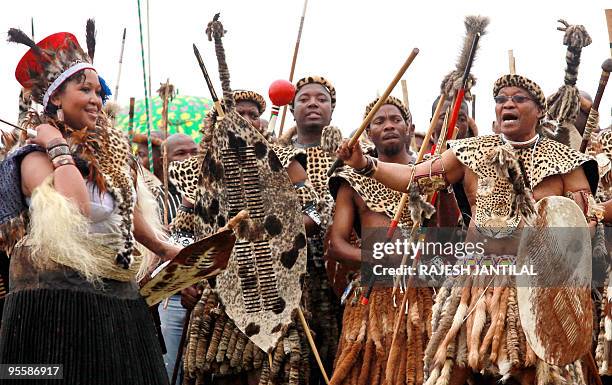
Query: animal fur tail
{"x": 506, "y": 164}
{"x": 452, "y": 82}
{"x": 215, "y": 31}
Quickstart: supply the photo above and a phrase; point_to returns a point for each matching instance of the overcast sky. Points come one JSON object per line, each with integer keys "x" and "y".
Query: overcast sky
{"x": 359, "y": 45}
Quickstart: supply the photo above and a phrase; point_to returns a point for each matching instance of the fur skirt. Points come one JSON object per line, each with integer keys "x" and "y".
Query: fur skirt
{"x": 364, "y": 352}
{"x": 476, "y": 325}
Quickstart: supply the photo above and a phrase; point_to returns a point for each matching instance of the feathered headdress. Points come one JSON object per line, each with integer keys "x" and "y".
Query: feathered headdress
{"x": 452, "y": 82}
{"x": 50, "y": 62}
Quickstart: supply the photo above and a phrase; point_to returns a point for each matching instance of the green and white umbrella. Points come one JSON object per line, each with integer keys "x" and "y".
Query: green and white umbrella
{"x": 185, "y": 115}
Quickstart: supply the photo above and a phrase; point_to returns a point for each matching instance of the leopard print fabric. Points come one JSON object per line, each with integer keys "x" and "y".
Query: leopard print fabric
{"x": 494, "y": 193}
{"x": 604, "y": 157}
{"x": 113, "y": 169}
{"x": 117, "y": 167}
{"x": 184, "y": 175}
{"x": 318, "y": 293}
{"x": 522, "y": 82}
{"x": 316, "y": 162}
{"x": 375, "y": 195}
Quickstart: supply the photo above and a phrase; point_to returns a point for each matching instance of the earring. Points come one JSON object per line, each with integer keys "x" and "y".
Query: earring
{"x": 60, "y": 114}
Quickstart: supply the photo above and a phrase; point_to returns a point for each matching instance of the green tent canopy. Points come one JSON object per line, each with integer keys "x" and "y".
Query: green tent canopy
{"x": 185, "y": 115}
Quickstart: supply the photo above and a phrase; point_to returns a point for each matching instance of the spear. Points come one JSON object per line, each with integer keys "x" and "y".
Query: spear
{"x": 293, "y": 61}
{"x": 211, "y": 89}
{"x": 120, "y": 64}
{"x": 146, "y": 89}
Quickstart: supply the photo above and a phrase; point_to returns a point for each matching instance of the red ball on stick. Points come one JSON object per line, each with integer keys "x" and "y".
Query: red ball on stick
{"x": 281, "y": 92}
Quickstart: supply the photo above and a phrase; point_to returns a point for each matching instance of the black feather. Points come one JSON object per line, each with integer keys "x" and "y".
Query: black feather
{"x": 90, "y": 37}
{"x": 18, "y": 36}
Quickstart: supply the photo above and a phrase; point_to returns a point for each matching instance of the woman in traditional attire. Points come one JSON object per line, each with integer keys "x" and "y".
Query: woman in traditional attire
{"x": 73, "y": 298}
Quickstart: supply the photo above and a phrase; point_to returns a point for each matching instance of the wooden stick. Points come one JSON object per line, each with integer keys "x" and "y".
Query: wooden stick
{"x": 181, "y": 347}
{"x": 609, "y": 23}
{"x": 312, "y": 344}
{"x": 606, "y": 68}
{"x": 382, "y": 100}
{"x": 211, "y": 89}
{"x": 511, "y": 62}
{"x": 405, "y": 93}
{"x": 411, "y": 141}
{"x": 120, "y": 65}
{"x": 165, "y": 95}
{"x": 474, "y": 108}
{"x": 131, "y": 122}
{"x": 293, "y": 61}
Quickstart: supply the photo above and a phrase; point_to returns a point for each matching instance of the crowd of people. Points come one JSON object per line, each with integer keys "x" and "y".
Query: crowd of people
{"x": 83, "y": 221}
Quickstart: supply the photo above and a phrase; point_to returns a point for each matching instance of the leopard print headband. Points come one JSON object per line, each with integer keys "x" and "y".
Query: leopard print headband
{"x": 316, "y": 80}
{"x": 528, "y": 85}
{"x": 251, "y": 96}
{"x": 394, "y": 102}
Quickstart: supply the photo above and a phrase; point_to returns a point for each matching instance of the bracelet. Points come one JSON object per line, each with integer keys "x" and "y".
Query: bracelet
{"x": 62, "y": 160}
{"x": 312, "y": 212}
{"x": 185, "y": 209}
{"x": 60, "y": 149}
{"x": 370, "y": 167}
{"x": 56, "y": 142}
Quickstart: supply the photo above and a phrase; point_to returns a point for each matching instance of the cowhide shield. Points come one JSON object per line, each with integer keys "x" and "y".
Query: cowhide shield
{"x": 261, "y": 286}
{"x": 200, "y": 260}
{"x": 555, "y": 304}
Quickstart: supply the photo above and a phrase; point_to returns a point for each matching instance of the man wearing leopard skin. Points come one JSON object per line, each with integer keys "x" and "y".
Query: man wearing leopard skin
{"x": 312, "y": 145}
{"x": 532, "y": 168}
{"x": 365, "y": 205}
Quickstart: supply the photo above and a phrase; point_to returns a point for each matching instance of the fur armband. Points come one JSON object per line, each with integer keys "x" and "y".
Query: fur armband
{"x": 434, "y": 179}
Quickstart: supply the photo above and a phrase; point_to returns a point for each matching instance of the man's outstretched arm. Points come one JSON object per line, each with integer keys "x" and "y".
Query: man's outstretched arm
{"x": 397, "y": 176}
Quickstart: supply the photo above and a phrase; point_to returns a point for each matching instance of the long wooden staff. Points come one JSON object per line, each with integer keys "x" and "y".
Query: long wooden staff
{"x": 120, "y": 65}
{"x": 606, "y": 68}
{"x": 311, "y": 342}
{"x": 293, "y": 61}
{"x": 165, "y": 93}
{"x": 209, "y": 84}
{"x": 415, "y": 261}
{"x": 179, "y": 352}
{"x": 511, "y": 62}
{"x": 31, "y": 133}
{"x": 382, "y": 100}
{"x": 131, "y": 122}
{"x": 474, "y": 108}
{"x": 609, "y": 23}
